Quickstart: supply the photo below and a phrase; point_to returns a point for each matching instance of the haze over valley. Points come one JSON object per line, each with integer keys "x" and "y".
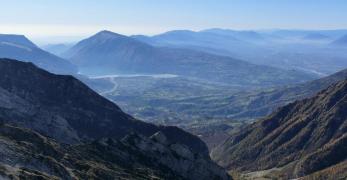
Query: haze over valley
{"x": 106, "y": 91}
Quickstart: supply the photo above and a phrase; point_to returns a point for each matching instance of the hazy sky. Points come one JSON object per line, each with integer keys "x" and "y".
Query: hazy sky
{"x": 55, "y": 18}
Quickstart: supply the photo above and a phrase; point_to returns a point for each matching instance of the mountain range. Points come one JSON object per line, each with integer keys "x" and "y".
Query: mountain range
{"x": 303, "y": 50}
{"x": 262, "y": 118}
{"x": 210, "y": 39}
{"x": 109, "y": 53}
{"x": 21, "y": 48}
{"x": 315, "y": 36}
{"x": 305, "y": 137}
{"x": 57, "y": 49}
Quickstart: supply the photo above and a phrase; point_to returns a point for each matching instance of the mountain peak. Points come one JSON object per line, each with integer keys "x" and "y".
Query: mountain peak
{"x": 16, "y": 39}
{"x": 108, "y": 34}
{"x": 180, "y": 31}
{"x": 176, "y": 34}
{"x": 21, "y": 48}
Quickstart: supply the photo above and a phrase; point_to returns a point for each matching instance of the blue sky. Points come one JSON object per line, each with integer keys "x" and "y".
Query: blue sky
{"x": 55, "y": 18}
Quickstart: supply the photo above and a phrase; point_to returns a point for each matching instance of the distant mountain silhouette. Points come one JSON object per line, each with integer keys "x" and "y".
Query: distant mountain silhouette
{"x": 299, "y": 139}
{"x": 180, "y": 37}
{"x": 315, "y": 36}
{"x": 19, "y": 47}
{"x": 291, "y": 33}
{"x": 342, "y": 41}
{"x": 17, "y": 39}
{"x": 248, "y": 36}
{"x": 215, "y": 41}
{"x": 111, "y": 53}
{"x": 285, "y": 49}
{"x": 56, "y": 49}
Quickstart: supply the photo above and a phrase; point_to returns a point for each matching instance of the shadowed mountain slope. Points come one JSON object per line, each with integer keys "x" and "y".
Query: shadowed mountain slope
{"x": 67, "y": 110}
{"x": 302, "y": 138}
{"x": 55, "y": 127}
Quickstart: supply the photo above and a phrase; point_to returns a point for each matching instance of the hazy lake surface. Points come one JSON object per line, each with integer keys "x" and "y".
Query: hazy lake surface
{"x": 135, "y": 75}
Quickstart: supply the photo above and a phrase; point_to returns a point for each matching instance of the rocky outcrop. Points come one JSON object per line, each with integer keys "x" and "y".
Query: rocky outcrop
{"x": 27, "y": 154}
